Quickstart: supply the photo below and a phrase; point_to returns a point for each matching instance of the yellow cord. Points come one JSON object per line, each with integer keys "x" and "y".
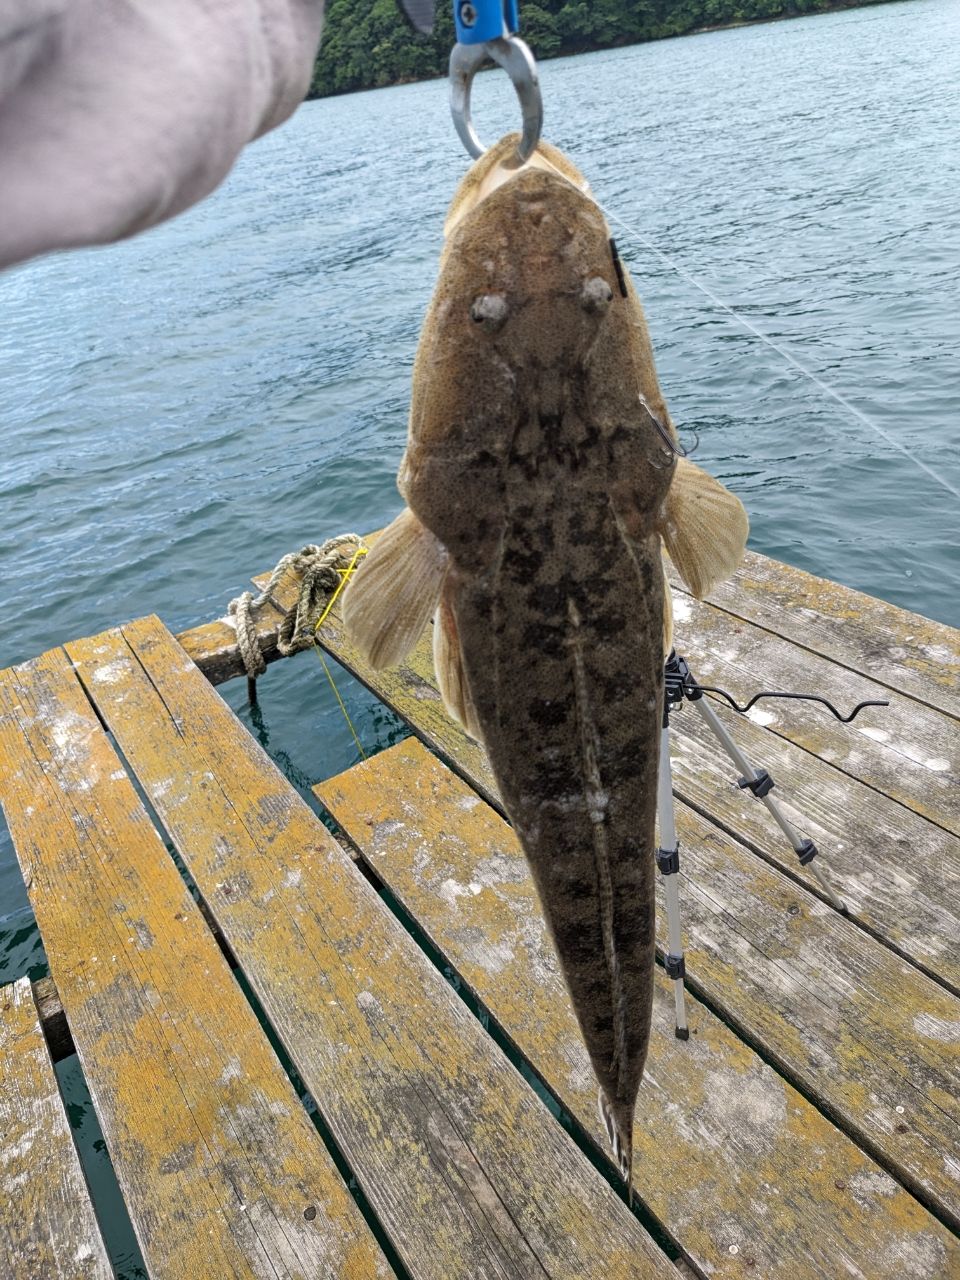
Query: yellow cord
{"x": 336, "y": 694}
{"x": 344, "y": 579}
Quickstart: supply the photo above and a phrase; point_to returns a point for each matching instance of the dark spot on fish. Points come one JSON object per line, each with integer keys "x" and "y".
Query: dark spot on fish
{"x": 609, "y": 624}
{"x": 522, "y": 561}
{"x": 547, "y": 641}
{"x": 579, "y": 947}
{"x": 547, "y": 713}
{"x": 545, "y": 537}
{"x": 548, "y": 596}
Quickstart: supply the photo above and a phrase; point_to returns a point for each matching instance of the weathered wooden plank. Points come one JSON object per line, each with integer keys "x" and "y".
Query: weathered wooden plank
{"x": 460, "y": 1161}
{"x": 213, "y": 646}
{"x": 811, "y": 989}
{"x": 898, "y": 873}
{"x": 907, "y": 751}
{"x": 47, "y": 1223}
{"x": 222, "y": 1171}
{"x": 899, "y": 649}
{"x": 789, "y": 1196}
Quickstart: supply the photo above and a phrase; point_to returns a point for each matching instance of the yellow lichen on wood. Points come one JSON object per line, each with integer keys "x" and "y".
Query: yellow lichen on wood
{"x": 221, "y": 1169}
{"x": 47, "y": 1223}
{"x": 727, "y": 1154}
{"x": 461, "y": 1163}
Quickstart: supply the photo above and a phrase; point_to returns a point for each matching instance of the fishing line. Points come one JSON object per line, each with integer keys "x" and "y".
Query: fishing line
{"x": 758, "y": 333}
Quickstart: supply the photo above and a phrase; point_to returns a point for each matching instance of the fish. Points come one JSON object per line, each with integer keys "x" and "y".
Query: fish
{"x": 542, "y": 477}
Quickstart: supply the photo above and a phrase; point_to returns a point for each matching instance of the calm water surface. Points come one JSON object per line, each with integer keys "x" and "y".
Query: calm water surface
{"x": 180, "y": 410}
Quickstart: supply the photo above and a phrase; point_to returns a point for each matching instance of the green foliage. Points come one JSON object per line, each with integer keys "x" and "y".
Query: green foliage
{"x": 366, "y": 43}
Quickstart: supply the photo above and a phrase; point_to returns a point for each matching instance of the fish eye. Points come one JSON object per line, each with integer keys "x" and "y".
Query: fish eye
{"x": 596, "y": 295}
{"x": 490, "y": 310}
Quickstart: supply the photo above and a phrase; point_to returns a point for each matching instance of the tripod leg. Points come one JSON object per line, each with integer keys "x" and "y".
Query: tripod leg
{"x": 761, "y": 784}
{"x": 668, "y": 862}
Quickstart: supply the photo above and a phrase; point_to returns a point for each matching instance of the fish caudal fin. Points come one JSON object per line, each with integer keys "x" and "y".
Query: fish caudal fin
{"x": 704, "y": 527}
{"x": 395, "y": 591}
{"x": 451, "y": 678}
{"x": 618, "y": 1122}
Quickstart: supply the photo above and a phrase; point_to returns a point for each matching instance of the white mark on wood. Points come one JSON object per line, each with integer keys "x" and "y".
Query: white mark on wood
{"x": 748, "y": 1103}
{"x": 938, "y": 764}
{"x": 878, "y": 735}
{"x": 868, "y": 1184}
{"x": 946, "y": 1030}
{"x": 232, "y": 1071}
{"x": 450, "y": 890}
{"x": 111, "y": 672}
{"x": 760, "y": 716}
{"x": 681, "y": 609}
{"x": 292, "y": 879}
{"x": 117, "y": 776}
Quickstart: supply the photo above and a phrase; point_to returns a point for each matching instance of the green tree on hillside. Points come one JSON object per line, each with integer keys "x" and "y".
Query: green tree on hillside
{"x": 366, "y": 44}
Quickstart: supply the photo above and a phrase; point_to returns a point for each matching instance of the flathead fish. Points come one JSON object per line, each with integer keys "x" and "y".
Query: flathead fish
{"x": 541, "y": 478}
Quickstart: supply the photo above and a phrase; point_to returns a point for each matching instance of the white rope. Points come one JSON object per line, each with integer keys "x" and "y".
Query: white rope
{"x": 758, "y": 333}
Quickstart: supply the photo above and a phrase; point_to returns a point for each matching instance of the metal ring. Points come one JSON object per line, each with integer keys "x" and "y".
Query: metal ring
{"x": 516, "y": 59}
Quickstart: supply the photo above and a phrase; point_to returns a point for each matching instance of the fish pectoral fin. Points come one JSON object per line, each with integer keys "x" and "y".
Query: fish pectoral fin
{"x": 451, "y": 677}
{"x": 704, "y": 527}
{"x": 667, "y": 615}
{"x": 395, "y": 591}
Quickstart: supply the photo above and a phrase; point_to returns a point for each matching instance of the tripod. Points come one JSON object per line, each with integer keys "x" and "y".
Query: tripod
{"x": 680, "y": 686}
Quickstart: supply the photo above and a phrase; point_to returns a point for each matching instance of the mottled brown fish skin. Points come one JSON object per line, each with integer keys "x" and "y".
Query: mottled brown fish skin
{"x": 534, "y": 461}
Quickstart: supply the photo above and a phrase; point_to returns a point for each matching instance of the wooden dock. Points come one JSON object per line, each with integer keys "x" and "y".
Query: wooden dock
{"x": 809, "y": 1128}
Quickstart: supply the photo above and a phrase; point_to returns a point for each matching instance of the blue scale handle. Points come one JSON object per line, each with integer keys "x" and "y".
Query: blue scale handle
{"x": 494, "y": 18}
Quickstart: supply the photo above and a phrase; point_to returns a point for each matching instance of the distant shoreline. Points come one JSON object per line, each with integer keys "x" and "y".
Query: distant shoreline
{"x": 829, "y": 6}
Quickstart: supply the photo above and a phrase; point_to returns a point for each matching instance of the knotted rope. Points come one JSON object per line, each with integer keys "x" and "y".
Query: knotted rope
{"x": 322, "y": 572}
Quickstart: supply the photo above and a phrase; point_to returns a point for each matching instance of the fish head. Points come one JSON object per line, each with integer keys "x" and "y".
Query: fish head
{"x": 528, "y": 273}
{"x": 534, "y": 355}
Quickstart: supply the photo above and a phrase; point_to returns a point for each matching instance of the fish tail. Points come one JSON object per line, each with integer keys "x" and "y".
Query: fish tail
{"x": 618, "y": 1123}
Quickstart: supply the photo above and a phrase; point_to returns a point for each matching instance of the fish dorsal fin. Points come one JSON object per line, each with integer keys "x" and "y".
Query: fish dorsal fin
{"x": 704, "y": 527}
{"x": 395, "y": 591}
{"x": 451, "y": 678}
